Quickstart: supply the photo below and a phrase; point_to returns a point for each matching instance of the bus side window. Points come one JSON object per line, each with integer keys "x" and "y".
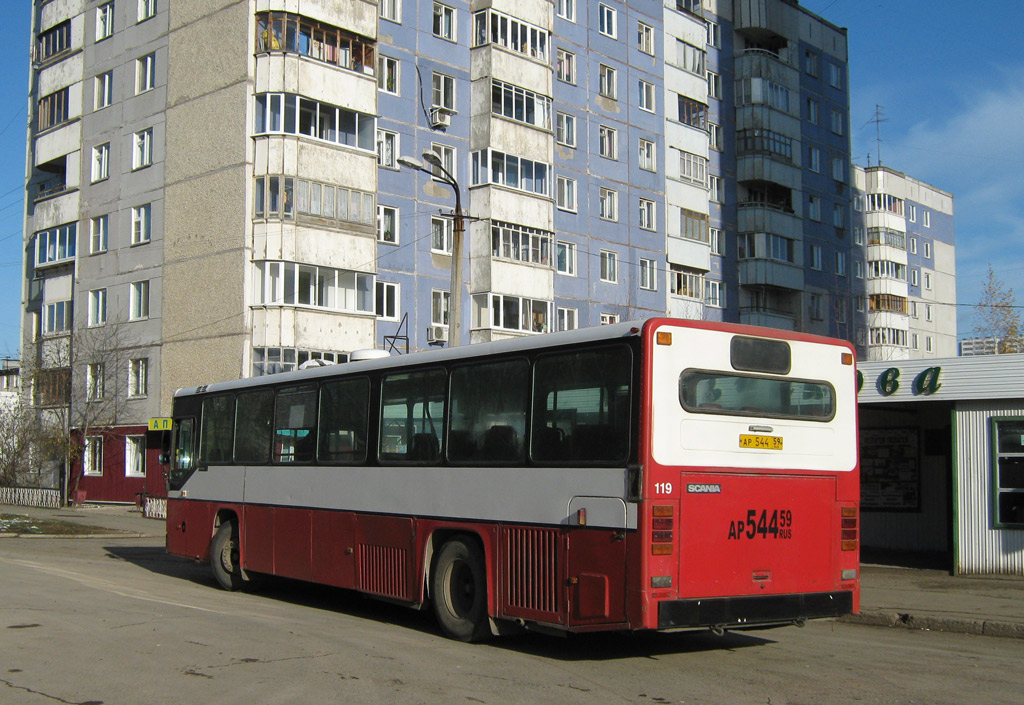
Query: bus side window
{"x": 412, "y": 416}
{"x": 488, "y": 412}
{"x": 295, "y": 425}
{"x": 217, "y": 430}
{"x": 183, "y": 445}
{"x": 254, "y": 413}
{"x": 343, "y": 421}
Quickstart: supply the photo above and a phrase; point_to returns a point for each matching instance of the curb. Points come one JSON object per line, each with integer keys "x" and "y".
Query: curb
{"x": 961, "y": 625}
{"x": 120, "y": 535}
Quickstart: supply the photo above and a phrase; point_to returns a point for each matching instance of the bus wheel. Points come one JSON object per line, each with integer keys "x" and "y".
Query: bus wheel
{"x": 225, "y": 559}
{"x": 460, "y": 591}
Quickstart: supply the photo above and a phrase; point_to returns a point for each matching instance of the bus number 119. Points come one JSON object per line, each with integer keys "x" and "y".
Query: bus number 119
{"x": 662, "y": 488}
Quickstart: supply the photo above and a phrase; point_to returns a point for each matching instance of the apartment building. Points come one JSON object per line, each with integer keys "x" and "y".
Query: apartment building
{"x": 227, "y": 188}
{"x": 905, "y": 270}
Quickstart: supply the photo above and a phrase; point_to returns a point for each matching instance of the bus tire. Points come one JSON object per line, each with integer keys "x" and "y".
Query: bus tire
{"x": 225, "y": 559}
{"x": 460, "y": 591}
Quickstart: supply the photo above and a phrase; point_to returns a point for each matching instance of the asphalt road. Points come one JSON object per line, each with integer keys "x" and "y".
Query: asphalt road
{"x": 113, "y": 621}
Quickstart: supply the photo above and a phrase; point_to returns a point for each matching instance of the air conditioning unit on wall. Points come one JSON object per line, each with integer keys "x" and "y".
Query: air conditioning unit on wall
{"x": 437, "y": 334}
{"x": 440, "y": 117}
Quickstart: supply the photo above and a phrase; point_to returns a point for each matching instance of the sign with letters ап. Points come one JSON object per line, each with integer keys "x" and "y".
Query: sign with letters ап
{"x": 160, "y": 424}
{"x": 926, "y": 382}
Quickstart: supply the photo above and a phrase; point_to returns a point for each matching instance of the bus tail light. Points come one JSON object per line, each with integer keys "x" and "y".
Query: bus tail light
{"x": 848, "y": 530}
{"x": 662, "y": 529}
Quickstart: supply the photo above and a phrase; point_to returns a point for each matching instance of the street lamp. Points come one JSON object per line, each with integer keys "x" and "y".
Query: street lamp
{"x": 458, "y": 228}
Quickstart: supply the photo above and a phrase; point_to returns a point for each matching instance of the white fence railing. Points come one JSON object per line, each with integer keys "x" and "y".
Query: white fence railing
{"x": 30, "y": 497}
{"x": 154, "y": 507}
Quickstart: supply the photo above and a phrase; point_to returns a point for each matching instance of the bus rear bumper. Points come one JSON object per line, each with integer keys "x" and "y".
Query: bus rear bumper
{"x": 754, "y": 611}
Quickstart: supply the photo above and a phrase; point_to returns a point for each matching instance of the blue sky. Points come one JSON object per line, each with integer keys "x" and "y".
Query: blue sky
{"x": 951, "y": 78}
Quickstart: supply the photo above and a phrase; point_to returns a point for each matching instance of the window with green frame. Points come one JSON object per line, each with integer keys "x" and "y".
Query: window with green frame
{"x": 1008, "y": 472}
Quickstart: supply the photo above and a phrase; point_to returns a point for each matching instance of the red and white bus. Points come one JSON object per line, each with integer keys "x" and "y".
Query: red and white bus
{"x": 664, "y": 475}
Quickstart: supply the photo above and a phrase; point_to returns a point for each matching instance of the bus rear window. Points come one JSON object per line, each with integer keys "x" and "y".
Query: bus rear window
{"x": 712, "y": 392}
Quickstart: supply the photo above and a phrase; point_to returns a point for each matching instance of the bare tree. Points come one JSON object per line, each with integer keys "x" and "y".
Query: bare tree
{"x": 996, "y": 315}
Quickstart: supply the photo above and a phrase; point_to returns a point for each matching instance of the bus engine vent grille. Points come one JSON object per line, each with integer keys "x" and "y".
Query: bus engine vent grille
{"x": 533, "y": 570}
{"x": 382, "y": 570}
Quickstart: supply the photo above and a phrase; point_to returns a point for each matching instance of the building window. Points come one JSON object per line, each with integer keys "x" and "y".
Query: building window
{"x": 607, "y": 82}
{"x": 387, "y": 74}
{"x": 293, "y": 284}
{"x": 520, "y": 243}
{"x": 715, "y": 189}
{"x": 100, "y": 162}
{"x": 714, "y": 293}
{"x": 927, "y": 215}
{"x": 714, "y": 85}
{"x": 443, "y": 91}
{"x": 444, "y": 22}
{"x": 441, "y": 235}
{"x": 566, "y": 9}
{"x": 139, "y": 304}
{"x": 812, "y": 111}
{"x": 693, "y": 113}
{"x": 608, "y": 319}
{"x": 565, "y": 258}
{"x": 648, "y": 275}
{"x": 56, "y": 317}
{"x": 489, "y": 166}
{"x": 104, "y": 21}
{"x": 269, "y": 361}
{"x": 138, "y": 377}
{"x": 816, "y": 258}
{"x": 686, "y": 282}
{"x": 567, "y": 319}
{"x": 94, "y": 385}
{"x": 53, "y": 41}
{"x": 816, "y": 307}
{"x": 142, "y": 151}
{"x": 858, "y": 269}
{"x": 837, "y": 122}
{"x": 288, "y": 32}
{"x": 647, "y": 155}
{"x": 97, "y": 307}
{"x": 103, "y": 87}
{"x": 608, "y": 201}
{"x": 646, "y": 95}
{"x": 715, "y": 136}
{"x": 53, "y": 109}
{"x": 607, "y": 19}
{"x": 565, "y": 193}
{"x": 387, "y": 300}
{"x": 608, "y": 142}
{"x": 520, "y": 104}
{"x": 391, "y": 10}
{"x": 387, "y": 149}
{"x": 92, "y": 458}
{"x": 135, "y": 456}
{"x": 838, "y": 215}
{"x": 274, "y": 197}
{"x": 147, "y": 9}
{"x": 693, "y": 225}
{"x": 811, "y": 63}
{"x": 690, "y": 58}
{"x": 565, "y": 66}
{"x": 145, "y": 73}
{"x": 387, "y": 224}
{"x": 760, "y": 141}
{"x": 648, "y": 215}
{"x": 839, "y": 169}
{"x": 927, "y": 250}
{"x": 693, "y": 168}
{"x": 717, "y": 238}
{"x": 1007, "y": 471}
{"x": 142, "y": 224}
{"x": 439, "y": 302}
{"x": 565, "y": 129}
{"x": 56, "y": 245}
{"x": 494, "y": 27}
{"x": 98, "y": 230}
{"x": 609, "y": 262}
{"x": 914, "y": 277}
{"x": 814, "y": 208}
{"x": 814, "y": 160}
{"x": 645, "y": 38}
{"x": 928, "y": 281}
{"x": 714, "y": 35}
{"x": 512, "y": 313}
{"x": 835, "y": 75}
{"x": 840, "y": 263}
{"x": 285, "y": 113}
{"x": 447, "y": 155}
{"x": 929, "y": 344}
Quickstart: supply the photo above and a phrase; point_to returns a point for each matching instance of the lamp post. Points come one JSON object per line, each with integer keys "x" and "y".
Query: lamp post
{"x": 458, "y": 228}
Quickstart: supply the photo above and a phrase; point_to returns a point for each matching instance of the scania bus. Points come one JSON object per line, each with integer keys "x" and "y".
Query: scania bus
{"x": 658, "y": 475}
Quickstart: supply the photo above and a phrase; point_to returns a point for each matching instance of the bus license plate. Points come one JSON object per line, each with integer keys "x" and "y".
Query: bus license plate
{"x": 765, "y": 442}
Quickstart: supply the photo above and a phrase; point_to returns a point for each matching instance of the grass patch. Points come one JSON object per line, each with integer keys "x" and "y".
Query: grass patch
{"x": 19, "y": 524}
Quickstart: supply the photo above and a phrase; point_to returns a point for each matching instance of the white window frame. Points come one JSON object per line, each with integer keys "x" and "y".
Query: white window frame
{"x": 715, "y": 187}
{"x": 441, "y": 228}
{"x": 715, "y": 136}
{"x": 440, "y": 303}
{"x": 95, "y": 386}
{"x": 99, "y": 233}
{"x": 142, "y": 224}
{"x": 837, "y": 122}
{"x": 608, "y": 201}
{"x": 145, "y": 73}
{"x": 97, "y": 308}
{"x": 385, "y": 297}
{"x": 928, "y": 281}
{"x": 927, "y": 218}
{"x": 442, "y": 94}
{"x": 647, "y": 99}
{"x": 608, "y": 81}
{"x": 647, "y": 155}
{"x": 565, "y": 193}
{"x": 717, "y": 239}
{"x": 446, "y": 153}
{"x": 142, "y": 149}
{"x": 814, "y": 208}
{"x": 609, "y": 267}
{"x": 714, "y": 293}
{"x": 812, "y": 111}
{"x": 566, "y": 9}
{"x": 608, "y": 18}
{"x": 565, "y": 129}
{"x": 608, "y": 319}
{"x": 817, "y": 262}
{"x": 714, "y": 85}
{"x": 383, "y": 212}
{"x": 147, "y": 9}
{"x": 714, "y": 35}
{"x": 388, "y": 148}
{"x": 138, "y": 377}
{"x": 648, "y": 214}
{"x": 835, "y": 75}
{"x": 565, "y": 66}
{"x": 840, "y": 263}
{"x": 569, "y": 258}
{"x": 390, "y": 10}
{"x": 444, "y": 22}
{"x": 566, "y": 319}
{"x": 927, "y": 251}
{"x": 648, "y": 274}
{"x": 387, "y": 72}
{"x": 100, "y": 162}
{"x": 103, "y": 89}
{"x": 92, "y": 457}
{"x": 134, "y": 456}
{"x": 814, "y": 160}
{"x": 645, "y": 38}
{"x": 139, "y": 309}
{"x": 104, "y": 21}
{"x": 608, "y": 142}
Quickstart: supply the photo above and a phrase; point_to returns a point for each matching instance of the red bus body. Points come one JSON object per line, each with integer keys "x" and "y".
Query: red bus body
{"x": 696, "y": 530}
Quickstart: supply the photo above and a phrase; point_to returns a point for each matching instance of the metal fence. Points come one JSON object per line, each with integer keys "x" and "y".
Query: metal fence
{"x": 30, "y": 497}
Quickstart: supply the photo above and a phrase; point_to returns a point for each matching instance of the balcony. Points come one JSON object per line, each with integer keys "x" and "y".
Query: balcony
{"x": 767, "y": 272}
